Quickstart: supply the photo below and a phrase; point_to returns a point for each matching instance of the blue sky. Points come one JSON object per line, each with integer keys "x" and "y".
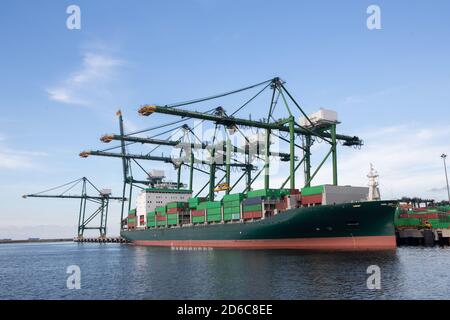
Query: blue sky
{"x": 60, "y": 88}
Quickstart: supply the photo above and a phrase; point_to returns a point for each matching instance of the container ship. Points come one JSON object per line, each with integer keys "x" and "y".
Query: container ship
{"x": 324, "y": 217}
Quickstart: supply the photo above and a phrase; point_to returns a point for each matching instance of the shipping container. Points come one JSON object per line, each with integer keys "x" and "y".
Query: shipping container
{"x": 232, "y": 210}
{"x": 309, "y": 191}
{"x": 160, "y": 209}
{"x": 233, "y": 197}
{"x": 198, "y": 213}
{"x": 213, "y": 204}
{"x": 272, "y": 193}
{"x": 214, "y": 218}
{"x": 235, "y": 203}
{"x": 250, "y": 208}
{"x": 198, "y": 219}
{"x": 213, "y": 211}
{"x": 311, "y": 199}
{"x": 251, "y": 215}
{"x": 251, "y": 201}
{"x": 151, "y": 222}
{"x": 179, "y": 205}
{"x": 175, "y": 210}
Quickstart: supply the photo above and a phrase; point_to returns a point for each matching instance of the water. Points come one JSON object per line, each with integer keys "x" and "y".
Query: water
{"x": 114, "y": 271}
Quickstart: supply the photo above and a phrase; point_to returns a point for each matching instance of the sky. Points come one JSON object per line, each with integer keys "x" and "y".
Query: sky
{"x": 60, "y": 87}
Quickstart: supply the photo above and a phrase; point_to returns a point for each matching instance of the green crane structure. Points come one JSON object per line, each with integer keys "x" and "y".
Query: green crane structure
{"x": 85, "y": 220}
{"x": 325, "y": 132}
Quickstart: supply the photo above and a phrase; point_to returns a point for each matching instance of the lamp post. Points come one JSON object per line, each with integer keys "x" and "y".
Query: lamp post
{"x": 443, "y": 156}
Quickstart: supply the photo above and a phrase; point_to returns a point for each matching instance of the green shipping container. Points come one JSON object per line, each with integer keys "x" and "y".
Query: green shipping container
{"x": 235, "y": 203}
{"x": 233, "y": 197}
{"x": 272, "y": 193}
{"x": 132, "y": 212}
{"x": 230, "y": 216}
{"x": 309, "y": 191}
{"x": 253, "y": 207}
{"x": 131, "y": 220}
{"x": 213, "y": 218}
{"x": 232, "y": 210}
{"x": 160, "y": 223}
{"x": 172, "y": 205}
{"x": 161, "y": 209}
{"x": 213, "y": 204}
{"x": 151, "y": 223}
{"x": 213, "y": 211}
{"x": 198, "y": 219}
{"x": 201, "y": 206}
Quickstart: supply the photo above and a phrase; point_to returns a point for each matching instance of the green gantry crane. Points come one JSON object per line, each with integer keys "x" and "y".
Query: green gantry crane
{"x": 84, "y": 221}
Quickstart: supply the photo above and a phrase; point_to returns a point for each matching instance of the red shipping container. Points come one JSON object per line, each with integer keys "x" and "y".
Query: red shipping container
{"x": 161, "y": 218}
{"x": 198, "y": 213}
{"x": 294, "y": 191}
{"x": 175, "y": 210}
{"x": 313, "y": 199}
{"x": 247, "y": 215}
{"x": 251, "y": 215}
{"x": 257, "y": 214}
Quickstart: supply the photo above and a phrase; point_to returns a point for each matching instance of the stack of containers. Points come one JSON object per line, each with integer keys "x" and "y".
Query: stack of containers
{"x": 312, "y": 195}
{"x": 232, "y": 206}
{"x": 213, "y": 211}
{"x": 131, "y": 219}
{"x": 151, "y": 219}
{"x": 198, "y": 214}
{"x": 252, "y": 208}
{"x": 288, "y": 200}
{"x": 175, "y": 211}
{"x": 261, "y": 202}
{"x": 161, "y": 217}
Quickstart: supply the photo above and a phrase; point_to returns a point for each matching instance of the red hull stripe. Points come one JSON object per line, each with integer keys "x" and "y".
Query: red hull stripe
{"x": 338, "y": 243}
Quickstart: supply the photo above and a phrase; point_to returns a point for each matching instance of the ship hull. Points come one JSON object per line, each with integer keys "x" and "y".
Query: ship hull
{"x": 352, "y": 226}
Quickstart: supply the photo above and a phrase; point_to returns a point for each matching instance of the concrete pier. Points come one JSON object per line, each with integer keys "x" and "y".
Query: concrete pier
{"x": 423, "y": 237}
{"x": 102, "y": 240}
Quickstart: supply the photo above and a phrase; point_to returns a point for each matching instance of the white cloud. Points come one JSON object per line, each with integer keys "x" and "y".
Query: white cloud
{"x": 17, "y": 159}
{"x": 89, "y": 82}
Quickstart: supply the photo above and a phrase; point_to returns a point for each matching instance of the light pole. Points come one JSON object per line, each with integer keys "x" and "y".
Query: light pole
{"x": 443, "y": 156}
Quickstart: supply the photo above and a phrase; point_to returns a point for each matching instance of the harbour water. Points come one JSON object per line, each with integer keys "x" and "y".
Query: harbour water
{"x": 118, "y": 271}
